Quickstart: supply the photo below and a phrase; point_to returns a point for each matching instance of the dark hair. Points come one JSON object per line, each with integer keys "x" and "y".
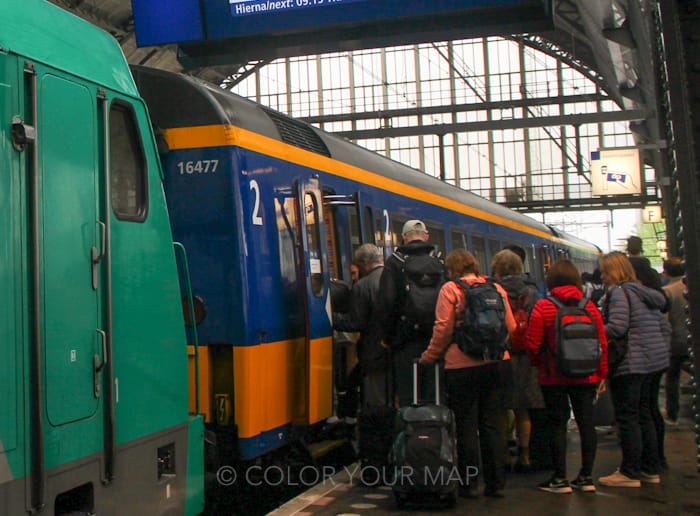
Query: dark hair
{"x": 674, "y": 267}
{"x": 563, "y": 272}
{"x": 460, "y": 262}
{"x": 517, "y": 250}
{"x": 634, "y": 245}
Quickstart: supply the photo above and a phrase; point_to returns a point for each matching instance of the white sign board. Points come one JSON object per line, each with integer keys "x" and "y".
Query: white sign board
{"x": 616, "y": 171}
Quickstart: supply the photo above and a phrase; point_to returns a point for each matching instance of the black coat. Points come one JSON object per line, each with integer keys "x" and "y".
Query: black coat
{"x": 363, "y": 317}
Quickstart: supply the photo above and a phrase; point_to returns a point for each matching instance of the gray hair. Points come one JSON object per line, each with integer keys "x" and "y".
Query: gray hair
{"x": 368, "y": 254}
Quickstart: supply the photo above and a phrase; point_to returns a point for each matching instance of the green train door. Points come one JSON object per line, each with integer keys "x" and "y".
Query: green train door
{"x": 318, "y": 334}
{"x": 71, "y": 242}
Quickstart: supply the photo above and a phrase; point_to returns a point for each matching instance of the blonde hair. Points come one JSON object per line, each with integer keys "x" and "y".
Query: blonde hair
{"x": 506, "y": 263}
{"x": 617, "y": 268}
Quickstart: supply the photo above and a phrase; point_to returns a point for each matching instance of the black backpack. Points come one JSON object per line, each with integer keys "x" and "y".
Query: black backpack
{"x": 576, "y": 335}
{"x": 424, "y": 275}
{"x": 484, "y": 333}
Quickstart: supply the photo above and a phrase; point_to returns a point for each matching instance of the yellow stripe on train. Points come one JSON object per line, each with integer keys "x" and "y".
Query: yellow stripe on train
{"x": 268, "y": 384}
{"x": 221, "y": 136}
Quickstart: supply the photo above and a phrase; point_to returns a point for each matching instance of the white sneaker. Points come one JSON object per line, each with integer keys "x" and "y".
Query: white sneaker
{"x": 619, "y": 479}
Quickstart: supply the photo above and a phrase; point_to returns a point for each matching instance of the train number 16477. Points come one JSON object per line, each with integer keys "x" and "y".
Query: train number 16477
{"x": 202, "y": 166}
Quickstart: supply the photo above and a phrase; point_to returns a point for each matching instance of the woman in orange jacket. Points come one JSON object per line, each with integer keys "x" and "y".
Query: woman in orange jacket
{"x": 474, "y": 386}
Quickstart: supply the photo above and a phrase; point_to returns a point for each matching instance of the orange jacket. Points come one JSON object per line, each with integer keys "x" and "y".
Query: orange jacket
{"x": 449, "y": 313}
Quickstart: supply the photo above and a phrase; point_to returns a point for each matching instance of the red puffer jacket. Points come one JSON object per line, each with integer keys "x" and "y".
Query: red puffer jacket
{"x": 541, "y": 328}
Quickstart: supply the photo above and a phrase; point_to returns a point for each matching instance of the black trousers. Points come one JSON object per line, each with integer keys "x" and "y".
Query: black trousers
{"x": 557, "y": 398}
{"x": 673, "y": 380}
{"x": 633, "y": 398}
{"x": 475, "y": 396}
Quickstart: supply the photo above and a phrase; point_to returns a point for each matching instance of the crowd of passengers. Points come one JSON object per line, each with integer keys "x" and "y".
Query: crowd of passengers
{"x": 521, "y": 397}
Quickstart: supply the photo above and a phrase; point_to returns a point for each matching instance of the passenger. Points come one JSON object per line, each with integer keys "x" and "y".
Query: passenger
{"x": 674, "y": 270}
{"x": 645, "y": 273}
{"x": 474, "y": 388}
{"x": 593, "y": 286}
{"x": 362, "y": 317}
{"x": 507, "y": 268}
{"x": 354, "y": 272}
{"x": 345, "y": 371}
{"x": 564, "y": 283}
{"x": 635, "y": 311}
{"x": 406, "y": 336}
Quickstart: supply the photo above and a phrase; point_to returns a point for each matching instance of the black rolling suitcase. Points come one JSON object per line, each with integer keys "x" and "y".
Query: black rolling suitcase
{"x": 424, "y": 454}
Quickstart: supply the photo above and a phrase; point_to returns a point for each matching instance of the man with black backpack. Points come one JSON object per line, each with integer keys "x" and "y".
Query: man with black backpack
{"x": 409, "y": 288}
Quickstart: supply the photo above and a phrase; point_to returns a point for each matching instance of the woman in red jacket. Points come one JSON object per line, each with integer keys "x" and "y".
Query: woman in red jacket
{"x": 564, "y": 282}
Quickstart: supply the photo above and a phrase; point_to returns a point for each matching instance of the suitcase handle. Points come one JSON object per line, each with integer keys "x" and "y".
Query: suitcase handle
{"x": 416, "y": 366}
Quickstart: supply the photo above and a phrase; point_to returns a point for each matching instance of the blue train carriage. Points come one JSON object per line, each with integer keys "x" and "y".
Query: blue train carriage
{"x": 270, "y": 209}
{"x": 94, "y": 417}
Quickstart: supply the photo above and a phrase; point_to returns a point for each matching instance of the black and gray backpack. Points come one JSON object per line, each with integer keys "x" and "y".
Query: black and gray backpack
{"x": 484, "y": 334}
{"x": 576, "y": 335}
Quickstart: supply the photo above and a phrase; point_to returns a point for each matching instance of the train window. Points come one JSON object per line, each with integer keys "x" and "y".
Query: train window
{"x": 479, "y": 251}
{"x": 127, "y": 165}
{"x": 369, "y": 226}
{"x": 396, "y": 228}
{"x": 437, "y": 237}
{"x": 313, "y": 244}
{"x": 331, "y": 244}
{"x": 529, "y": 261}
{"x": 494, "y": 247}
{"x": 353, "y": 221}
{"x": 287, "y": 239}
{"x": 379, "y": 228}
{"x": 459, "y": 239}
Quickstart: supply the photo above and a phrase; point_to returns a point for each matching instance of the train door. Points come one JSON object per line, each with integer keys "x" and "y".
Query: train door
{"x": 57, "y": 138}
{"x": 69, "y": 230}
{"x": 318, "y": 334}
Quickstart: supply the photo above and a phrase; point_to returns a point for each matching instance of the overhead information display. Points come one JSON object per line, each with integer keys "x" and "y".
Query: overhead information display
{"x": 293, "y": 27}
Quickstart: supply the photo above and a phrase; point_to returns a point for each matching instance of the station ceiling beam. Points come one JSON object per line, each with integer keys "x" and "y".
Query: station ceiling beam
{"x": 494, "y": 125}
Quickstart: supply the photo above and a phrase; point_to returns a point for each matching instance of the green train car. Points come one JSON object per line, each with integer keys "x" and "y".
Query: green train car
{"x": 93, "y": 365}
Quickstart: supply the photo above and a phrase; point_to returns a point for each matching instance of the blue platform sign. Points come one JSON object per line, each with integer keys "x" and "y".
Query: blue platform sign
{"x": 160, "y": 22}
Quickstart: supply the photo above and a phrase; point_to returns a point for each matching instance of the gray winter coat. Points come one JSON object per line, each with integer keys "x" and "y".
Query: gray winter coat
{"x": 649, "y": 337}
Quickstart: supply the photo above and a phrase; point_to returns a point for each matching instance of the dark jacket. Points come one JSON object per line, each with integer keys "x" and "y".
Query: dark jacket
{"x": 677, "y": 316}
{"x": 363, "y": 317}
{"x": 392, "y": 293}
{"x": 646, "y": 274}
{"x": 638, "y": 315}
{"x": 541, "y": 330}
{"x": 517, "y": 287}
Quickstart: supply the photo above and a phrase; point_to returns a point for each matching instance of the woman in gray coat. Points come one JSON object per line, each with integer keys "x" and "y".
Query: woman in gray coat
{"x": 635, "y": 310}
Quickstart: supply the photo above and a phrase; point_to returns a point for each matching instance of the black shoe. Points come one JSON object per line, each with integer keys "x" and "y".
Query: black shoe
{"x": 493, "y": 492}
{"x": 556, "y": 485}
{"x": 585, "y": 484}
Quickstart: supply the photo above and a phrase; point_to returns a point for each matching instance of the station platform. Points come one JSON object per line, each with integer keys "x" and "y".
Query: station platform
{"x": 679, "y": 491}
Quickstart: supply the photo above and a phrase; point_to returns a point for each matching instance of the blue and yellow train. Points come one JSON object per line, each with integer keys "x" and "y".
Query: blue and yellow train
{"x": 105, "y": 406}
{"x": 270, "y": 209}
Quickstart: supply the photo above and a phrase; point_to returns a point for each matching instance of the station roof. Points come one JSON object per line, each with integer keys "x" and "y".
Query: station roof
{"x": 610, "y": 42}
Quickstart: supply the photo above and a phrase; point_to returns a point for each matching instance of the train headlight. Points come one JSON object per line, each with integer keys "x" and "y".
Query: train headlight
{"x": 200, "y": 310}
